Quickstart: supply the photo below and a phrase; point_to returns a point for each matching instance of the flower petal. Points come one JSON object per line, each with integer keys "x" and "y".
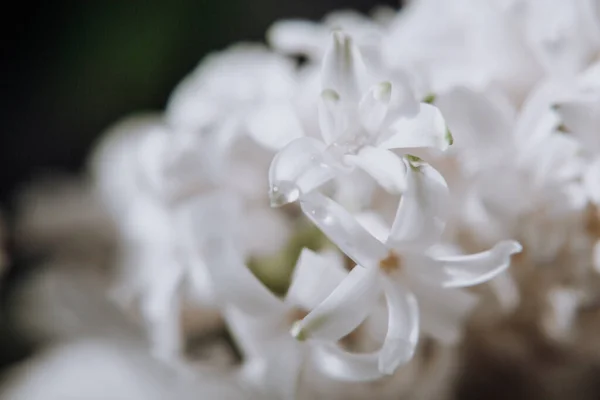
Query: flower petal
{"x": 344, "y": 309}
{"x": 296, "y": 37}
{"x": 298, "y": 168}
{"x": 208, "y": 223}
{"x": 383, "y": 165}
{"x": 315, "y": 277}
{"x": 339, "y": 364}
{"x": 330, "y": 114}
{"x": 403, "y": 328}
{"x": 420, "y": 219}
{"x": 591, "y": 181}
{"x": 343, "y": 230}
{"x": 463, "y": 271}
{"x": 443, "y": 312}
{"x": 426, "y": 129}
{"x": 398, "y": 346}
{"x": 343, "y": 68}
{"x": 374, "y": 106}
{"x": 273, "y": 126}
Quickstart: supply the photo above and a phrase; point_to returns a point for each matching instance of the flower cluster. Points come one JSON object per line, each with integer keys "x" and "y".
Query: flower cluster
{"x": 332, "y": 197}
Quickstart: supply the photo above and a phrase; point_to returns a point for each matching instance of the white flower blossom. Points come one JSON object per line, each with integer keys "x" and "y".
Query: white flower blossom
{"x": 396, "y": 266}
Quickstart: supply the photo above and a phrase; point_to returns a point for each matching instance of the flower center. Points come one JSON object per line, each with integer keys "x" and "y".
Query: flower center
{"x": 393, "y": 262}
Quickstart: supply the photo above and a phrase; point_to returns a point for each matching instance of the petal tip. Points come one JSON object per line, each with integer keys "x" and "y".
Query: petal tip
{"x": 509, "y": 247}
{"x": 282, "y": 194}
{"x": 298, "y": 331}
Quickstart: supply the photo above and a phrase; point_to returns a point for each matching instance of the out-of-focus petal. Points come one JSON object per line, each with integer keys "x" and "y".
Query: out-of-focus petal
{"x": 343, "y": 68}
{"x": 298, "y": 168}
{"x": 468, "y": 270}
{"x": 274, "y": 125}
{"x": 315, "y": 277}
{"x": 420, "y": 219}
{"x": 443, "y": 311}
{"x": 296, "y": 37}
{"x": 425, "y": 129}
{"x": 344, "y": 309}
{"x": 383, "y": 165}
{"x": 343, "y": 365}
{"x": 343, "y": 230}
{"x": 479, "y": 123}
{"x": 209, "y": 237}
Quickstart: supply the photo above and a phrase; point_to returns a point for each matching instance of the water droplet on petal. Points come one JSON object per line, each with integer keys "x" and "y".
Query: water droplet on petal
{"x": 283, "y": 193}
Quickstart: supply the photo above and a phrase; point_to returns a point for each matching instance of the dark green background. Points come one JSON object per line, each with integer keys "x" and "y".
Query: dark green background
{"x": 70, "y": 69}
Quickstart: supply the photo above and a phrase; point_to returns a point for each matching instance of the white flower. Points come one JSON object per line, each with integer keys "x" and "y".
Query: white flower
{"x": 359, "y": 122}
{"x": 463, "y": 43}
{"x": 307, "y": 38}
{"x": 519, "y": 173}
{"x": 259, "y": 320}
{"x": 396, "y": 266}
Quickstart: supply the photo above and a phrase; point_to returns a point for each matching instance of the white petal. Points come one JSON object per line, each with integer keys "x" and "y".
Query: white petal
{"x": 343, "y": 68}
{"x": 343, "y": 230}
{"x": 315, "y": 277}
{"x": 274, "y": 125}
{"x": 420, "y": 219}
{"x": 374, "y": 224}
{"x": 330, "y": 114}
{"x": 209, "y": 238}
{"x": 443, "y": 312}
{"x": 296, "y": 37}
{"x": 374, "y": 106}
{"x": 397, "y": 349}
{"x": 426, "y": 129}
{"x": 344, "y": 309}
{"x": 403, "y": 328}
{"x": 282, "y": 370}
{"x": 506, "y": 290}
{"x": 384, "y": 166}
{"x": 581, "y": 119}
{"x": 469, "y": 270}
{"x": 478, "y": 122}
{"x": 298, "y": 168}
{"x": 339, "y": 364}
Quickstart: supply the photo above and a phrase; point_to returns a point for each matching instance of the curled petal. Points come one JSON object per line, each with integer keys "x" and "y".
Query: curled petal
{"x": 298, "y": 168}
{"x": 343, "y": 68}
{"x": 425, "y": 129}
{"x": 383, "y": 165}
{"x": 463, "y": 271}
{"x": 343, "y": 365}
{"x": 343, "y": 229}
{"x": 315, "y": 277}
{"x": 208, "y": 237}
{"x": 420, "y": 219}
{"x": 374, "y": 106}
{"x": 344, "y": 309}
{"x": 398, "y": 346}
{"x": 403, "y": 328}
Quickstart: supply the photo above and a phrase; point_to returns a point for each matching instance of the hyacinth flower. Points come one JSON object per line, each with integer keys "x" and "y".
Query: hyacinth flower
{"x": 259, "y": 320}
{"x": 399, "y": 267}
{"x": 361, "y": 120}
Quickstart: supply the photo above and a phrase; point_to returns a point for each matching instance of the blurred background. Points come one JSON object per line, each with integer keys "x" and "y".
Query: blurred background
{"x": 72, "y": 68}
